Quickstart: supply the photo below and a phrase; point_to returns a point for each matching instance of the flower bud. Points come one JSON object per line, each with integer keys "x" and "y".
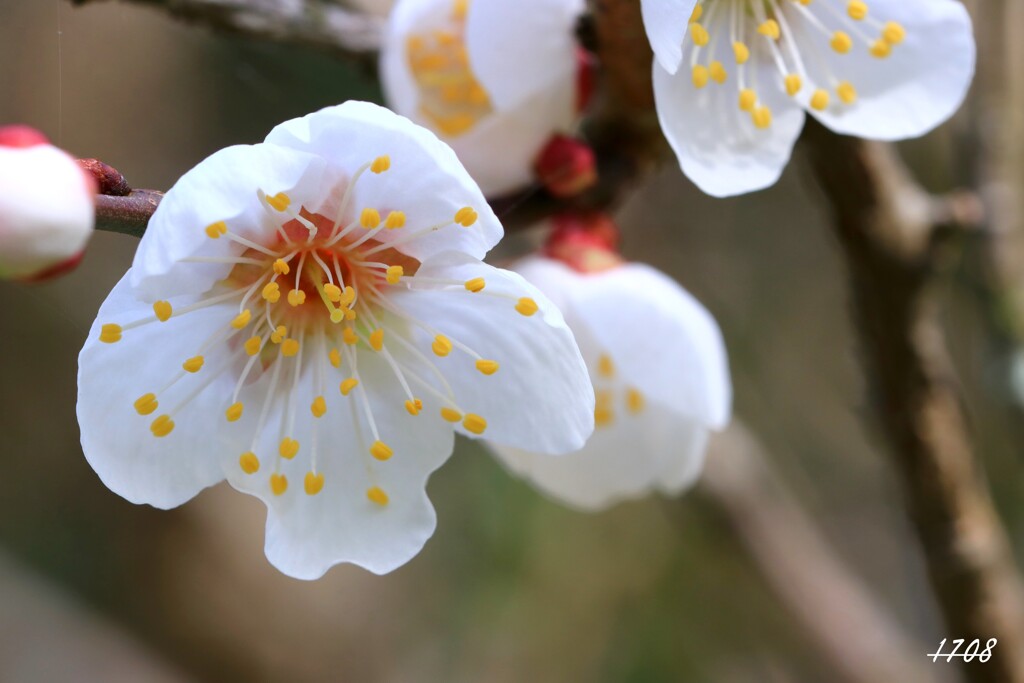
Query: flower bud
{"x": 586, "y": 242}
{"x": 566, "y": 166}
{"x": 47, "y": 206}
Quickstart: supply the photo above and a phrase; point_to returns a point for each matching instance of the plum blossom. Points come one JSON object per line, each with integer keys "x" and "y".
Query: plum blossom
{"x": 310, "y": 319}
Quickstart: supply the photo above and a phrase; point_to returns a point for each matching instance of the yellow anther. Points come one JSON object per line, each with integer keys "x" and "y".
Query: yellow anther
{"x": 253, "y": 345}
{"x": 370, "y": 218}
{"x": 348, "y": 385}
{"x": 394, "y": 274}
{"x": 474, "y": 424}
{"x": 377, "y": 339}
{"x": 442, "y": 345}
{"x": 741, "y": 52}
{"x": 314, "y": 483}
{"x": 381, "y": 164}
{"x": 242, "y": 319}
{"x": 281, "y": 267}
{"x": 820, "y": 100}
{"x": 605, "y": 366}
{"x": 234, "y": 412}
{"x": 249, "y": 463}
{"x": 333, "y": 292}
{"x": 466, "y": 216}
{"x": 395, "y": 220}
{"x": 487, "y": 367}
{"x": 289, "y": 347}
{"x": 288, "y": 448}
{"x": 718, "y": 73}
{"x": 337, "y": 315}
{"x": 146, "y": 404}
{"x": 280, "y": 201}
{"x": 894, "y": 33}
{"x": 857, "y": 9}
{"x": 335, "y": 357}
{"x": 278, "y": 484}
{"x": 460, "y": 8}
{"x": 770, "y": 29}
{"x": 603, "y": 416}
{"x": 793, "y": 84}
{"x": 881, "y": 49}
{"x": 110, "y": 333}
{"x": 381, "y": 451}
{"x": 847, "y": 93}
{"x": 414, "y": 406}
{"x": 193, "y": 364}
{"x": 700, "y": 76}
{"x": 841, "y": 42}
{"x": 296, "y": 297}
{"x": 527, "y": 306}
{"x": 450, "y": 414}
{"x": 635, "y": 401}
{"x": 318, "y": 407}
{"x": 377, "y": 495}
{"x": 698, "y": 11}
{"x": 349, "y": 336}
{"x": 162, "y": 426}
{"x": 699, "y": 34}
{"x": 215, "y": 230}
{"x": 162, "y": 310}
{"x": 748, "y": 99}
{"x": 350, "y": 314}
{"x": 476, "y": 284}
{"x": 762, "y": 117}
{"x": 348, "y": 296}
{"x": 272, "y": 292}
{"x": 279, "y": 334}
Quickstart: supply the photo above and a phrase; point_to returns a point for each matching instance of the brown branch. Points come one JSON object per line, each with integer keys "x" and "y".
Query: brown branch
{"x": 886, "y": 227}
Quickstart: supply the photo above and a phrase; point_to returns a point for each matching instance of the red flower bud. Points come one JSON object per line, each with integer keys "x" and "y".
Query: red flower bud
{"x": 566, "y": 166}
{"x": 586, "y": 242}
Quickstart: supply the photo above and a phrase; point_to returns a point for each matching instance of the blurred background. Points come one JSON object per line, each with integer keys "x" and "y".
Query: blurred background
{"x": 512, "y": 587}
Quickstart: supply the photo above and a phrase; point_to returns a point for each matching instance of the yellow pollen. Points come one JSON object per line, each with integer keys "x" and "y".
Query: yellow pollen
{"x": 635, "y": 401}
{"x": 718, "y": 73}
{"x": 280, "y": 201}
{"x": 442, "y": 346}
{"x": 314, "y": 483}
{"x": 894, "y": 33}
{"x": 162, "y": 426}
{"x": 474, "y": 424}
{"x": 748, "y": 99}
{"x": 603, "y": 416}
{"x": 110, "y": 333}
{"x": 381, "y": 451}
{"x": 820, "y": 100}
{"x": 146, "y": 404}
{"x": 770, "y": 29}
{"x": 762, "y": 117}
{"x": 349, "y": 336}
{"x": 318, "y": 407}
{"x": 335, "y": 357}
{"x": 699, "y": 34}
{"x": 526, "y": 306}
{"x": 450, "y": 414}
{"x": 348, "y": 296}
{"x": 234, "y": 412}
{"x": 253, "y": 345}
{"x": 279, "y": 335}
{"x": 847, "y": 93}
{"x": 741, "y": 52}
{"x": 281, "y": 267}
{"x": 394, "y": 274}
{"x": 350, "y": 314}
{"x": 605, "y": 366}
{"x": 841, "y": 42}
{"x": 477, "y": 284}
{"x": 466, "y": 216}
{"x": 296, "y": 297}
{"x": 162, "y": 310}
{"x": 698, "y": 10}
{"x": 348, "y": 385}
{"x": 215, "y": 230}
{"x": 370, "y": 218}
{"x": 289, "y": 348}
{"x": 793, "y": 84}
{"x": 381, "y": 164}
{"x": 289, "y": 448}
{"x": 377, "y": 495}
{"x": 194, "y": 364}
{"x": 857, "y": 9}
{"x": 333, "y": 292}
{"x": 278, "y": 484}
{"x": 488, "y": 367}
{"x": 242, "y": 319}
{"x": 700, "y": 76}
{"x": 395, "y": 220}
{"x": 414, "y": 406}
{"x": 377, "y": 339}
{"x": 881, "y": 49}
{"x": 272, "y": 292}
{"x": 249, "y": 463}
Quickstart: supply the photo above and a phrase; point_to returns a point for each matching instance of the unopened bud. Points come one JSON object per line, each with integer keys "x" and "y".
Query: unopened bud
{"x": 586, "y": 242}
{"x": 566, "y": 166}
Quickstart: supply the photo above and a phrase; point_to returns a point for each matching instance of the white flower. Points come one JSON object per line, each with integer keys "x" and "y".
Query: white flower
{"x": 734, "y": 79}
{"x": 496, "y": 80}
{"x": 310, "y": 318}
{"x": 47, "y": 205}
{"x": 660, "y": 373}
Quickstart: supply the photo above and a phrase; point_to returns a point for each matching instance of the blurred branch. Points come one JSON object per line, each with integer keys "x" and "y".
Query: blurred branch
{"x": 859, "y": 639}
{"x": 890, "y": 237}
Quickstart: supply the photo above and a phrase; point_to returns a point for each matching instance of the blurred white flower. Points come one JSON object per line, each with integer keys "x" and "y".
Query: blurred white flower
{"x": 659, "y": 370}
{"x": 47, "y": 206}
{"x": 495, "y": 80}
{"x": 310, "y": 318}
{"x": 733, "y": 78}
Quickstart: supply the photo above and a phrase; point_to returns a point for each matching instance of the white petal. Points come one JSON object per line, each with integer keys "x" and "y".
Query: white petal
{"x": 540, "y": 398}
{"x": 426, "y": 180}
{"x": 223, "y": 187}
{"x": 557, "y": 281}
{"x": 163, "y": 472}
{"x": 717, "y": 145}
{"x": 520, "y": 49}
{"x": 917, "y": 87}
{"x": 666, "y": 22}
{"x": 685, "y": 460}
{"x": 307, "y": 535}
